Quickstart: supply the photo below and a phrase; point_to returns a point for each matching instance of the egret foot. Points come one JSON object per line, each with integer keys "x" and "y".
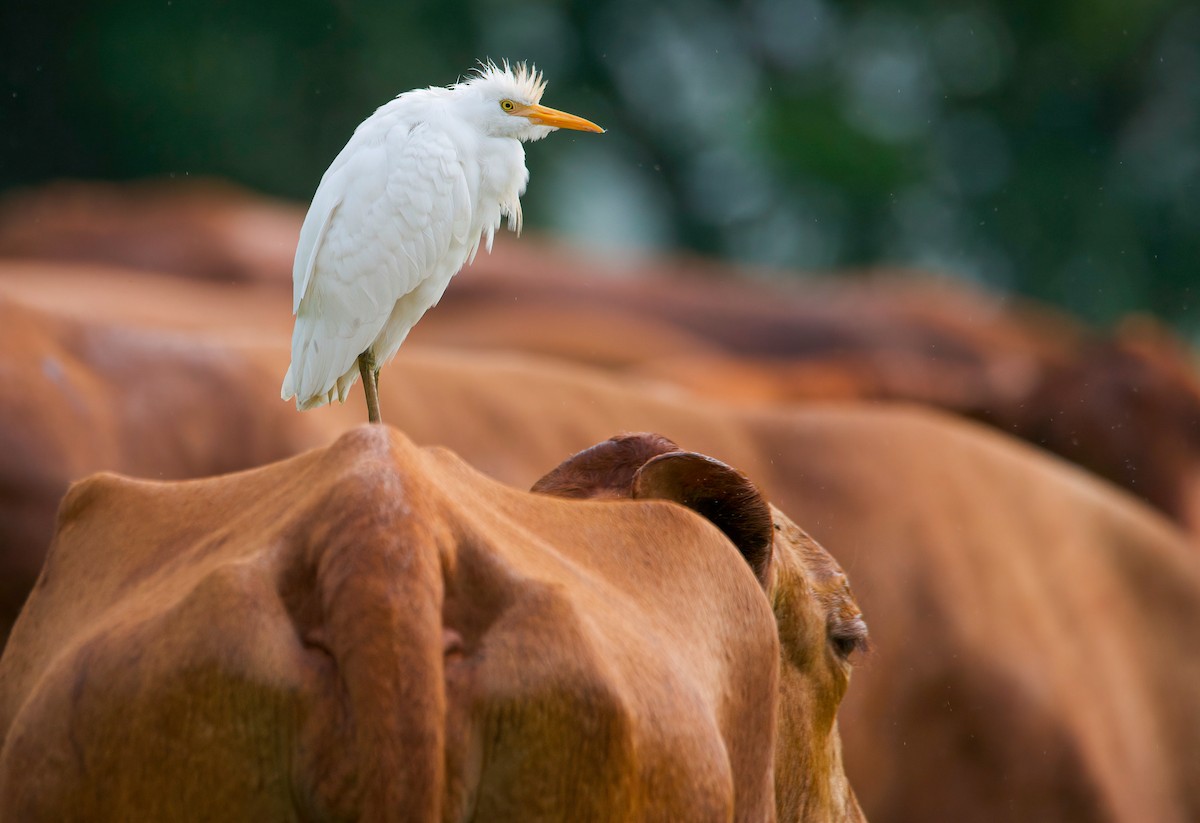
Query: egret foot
{"x": 370, "y": 378}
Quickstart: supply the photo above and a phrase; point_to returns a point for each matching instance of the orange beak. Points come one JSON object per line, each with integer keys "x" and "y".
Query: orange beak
{"x": 546, "y": 116}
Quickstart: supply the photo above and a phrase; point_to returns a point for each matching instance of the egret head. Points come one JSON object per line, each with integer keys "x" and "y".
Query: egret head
{"x": 506, "y": 98}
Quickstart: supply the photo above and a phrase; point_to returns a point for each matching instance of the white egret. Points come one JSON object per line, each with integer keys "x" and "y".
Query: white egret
{"x": 402, "y": 208}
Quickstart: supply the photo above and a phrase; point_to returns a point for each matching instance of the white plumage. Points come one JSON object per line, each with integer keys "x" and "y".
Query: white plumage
{"x": 402, "y": 208}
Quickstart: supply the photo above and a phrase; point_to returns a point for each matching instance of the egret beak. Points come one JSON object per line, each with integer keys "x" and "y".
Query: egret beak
{"x": 546, "y": 116}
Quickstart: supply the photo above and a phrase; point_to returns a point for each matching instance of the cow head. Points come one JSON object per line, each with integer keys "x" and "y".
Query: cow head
{"x": 820, "y": 626}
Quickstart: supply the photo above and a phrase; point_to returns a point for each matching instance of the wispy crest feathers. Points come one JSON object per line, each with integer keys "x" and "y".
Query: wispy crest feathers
{"x": 526, "y": 79}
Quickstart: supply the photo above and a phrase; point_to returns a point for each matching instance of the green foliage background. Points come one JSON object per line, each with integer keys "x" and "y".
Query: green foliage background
{"x": 1052, "y": 148}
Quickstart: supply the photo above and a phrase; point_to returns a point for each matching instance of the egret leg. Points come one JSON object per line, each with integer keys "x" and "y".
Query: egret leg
{"x": 366, "y": 367}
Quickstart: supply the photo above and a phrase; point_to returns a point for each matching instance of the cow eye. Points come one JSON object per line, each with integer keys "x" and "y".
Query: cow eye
{"x": 844, "y": 646}
{"x": 848, "y": 637}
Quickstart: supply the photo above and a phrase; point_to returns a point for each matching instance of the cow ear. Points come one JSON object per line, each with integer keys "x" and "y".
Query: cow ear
{"x": 606, "y": 469}
{"x": 719, "y": 492}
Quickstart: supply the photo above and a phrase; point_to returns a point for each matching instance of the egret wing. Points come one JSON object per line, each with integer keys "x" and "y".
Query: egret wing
{"x": 324, "y": 203}
{"x": 320, "y": 213}
{"x": 386, "y": 219}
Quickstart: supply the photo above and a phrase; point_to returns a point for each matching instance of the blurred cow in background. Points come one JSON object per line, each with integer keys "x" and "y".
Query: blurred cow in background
{"x": 1126, "y": 407}
{"x": 206, "y": 229}
{"x": 1034, "y": 626}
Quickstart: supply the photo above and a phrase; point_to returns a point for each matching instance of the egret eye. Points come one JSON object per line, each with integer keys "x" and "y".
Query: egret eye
{"x": 507, "y": 105}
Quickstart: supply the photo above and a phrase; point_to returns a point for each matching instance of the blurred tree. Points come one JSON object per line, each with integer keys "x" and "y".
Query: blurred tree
{"x": 1052, "y": 148}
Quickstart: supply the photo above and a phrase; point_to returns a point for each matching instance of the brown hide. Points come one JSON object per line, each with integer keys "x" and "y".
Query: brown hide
{"x": 203, "y": 229}
{"x": 1030, "y": 627}
{"x": 145, "y": 300}
{"x": 1030, "y": 622}
{"x": 1074, "y": 607}
{"x": 1128, "y": 410}
{"x": 83, "y": 397}
{"x": 1125, "y": 406}
{"x": 1034, "y": 628}
{"x": 820, "y": 624}
{"x": 373, "y": 631}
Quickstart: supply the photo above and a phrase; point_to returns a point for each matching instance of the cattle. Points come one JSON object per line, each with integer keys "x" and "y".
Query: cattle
{"x": 117, "y": 296}
{"x": 1032, "y": 658}
{"x": 1127, "y": 408}
{"x": 1123, "y": 405}
{"x": 1033, "y": 625}
{"x": 375, "y": 631}
{"x": 202, "y": 228}
{"x": 81, "y": 397}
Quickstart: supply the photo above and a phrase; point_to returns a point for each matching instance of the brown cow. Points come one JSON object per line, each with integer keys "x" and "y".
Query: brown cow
{"x": 1126, "y": 409}
{"x": 1034, "y": 626}
{"x": 81, "y": 397}
{"x": 1126, "y": 405}
{"x": 206, "y": 229}
{"x": 373, "y": 631}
